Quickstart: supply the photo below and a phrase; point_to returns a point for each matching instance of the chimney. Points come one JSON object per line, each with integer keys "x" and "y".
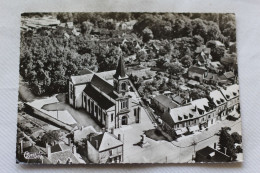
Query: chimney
{"x": 103, "y": 130}
{"x": 69, "y": 141}
{"x": 21, "y": 145}
{"x": 48, "y": 150}
{"x": 96, "y": 144}
{"x": 74, "y": 149}
{"x": 119, "y": 137}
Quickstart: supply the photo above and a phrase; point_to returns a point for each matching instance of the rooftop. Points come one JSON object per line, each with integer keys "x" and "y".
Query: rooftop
{"x": 98, "y": 97}
{"x": 195, "y": 69}
{"x": 105, "y": 141}
{"x": 167, "y": 102}
{"x": 208, "y": 154}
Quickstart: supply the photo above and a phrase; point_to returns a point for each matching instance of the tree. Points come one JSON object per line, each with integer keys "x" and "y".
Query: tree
{"x": 147, "y": 34}
{"x": 87, "y": 27}
{"x": 175, "y": 68}
{"x": 186, "y": 61}
{"x": 236, "y": 137}
{"x": 50, "y": 137}
{"x": 226, "y": 143}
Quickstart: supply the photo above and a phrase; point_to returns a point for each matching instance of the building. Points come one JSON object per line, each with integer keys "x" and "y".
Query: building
{"x": 197, "y": 115}
{"x": 105, "y": 148}
{"x": 196, "y": 73}
{"x": 208, "y": 154}
{"x": 220, "y": 104}
{"x": 63, "y": 154}
{"x": 216, "y": 66}
{"x": 231, "y": 94}
{"x": 163, "y": 103}
{"x": 105, "y": 96}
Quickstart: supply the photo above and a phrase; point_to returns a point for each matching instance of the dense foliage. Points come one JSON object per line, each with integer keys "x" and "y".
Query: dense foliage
{"x": 50, "y": 56}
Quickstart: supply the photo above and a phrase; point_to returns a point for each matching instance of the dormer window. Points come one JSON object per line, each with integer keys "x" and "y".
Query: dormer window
{"x": 228, "y": 96}
{"x": 234, "y": 93}
{"x": 179, "y": 118}
{"x": 185, "y": 117}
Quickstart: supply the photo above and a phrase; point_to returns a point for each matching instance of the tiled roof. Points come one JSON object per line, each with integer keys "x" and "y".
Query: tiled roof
{"x": 231, "y": 91}
{"x": 229, "y": 74}
{"x": 203, "y": 155}
{"x": 87, "y": 77}
{"x": 211, "y": 76}
{"x": 196, "y": 70}
{"x": 101, "y": 100}
{"x": 103, "y": 86}
{"x": 217, "y": 97}
{"x": 167, "y": 102}
{"x": 105, "y": 141}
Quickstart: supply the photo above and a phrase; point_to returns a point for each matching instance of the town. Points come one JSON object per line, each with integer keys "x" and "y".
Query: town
{"x": 128, "y": 88}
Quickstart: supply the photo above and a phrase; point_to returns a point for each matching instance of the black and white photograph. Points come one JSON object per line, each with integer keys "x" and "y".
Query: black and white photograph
{"x": 128, "y": 87}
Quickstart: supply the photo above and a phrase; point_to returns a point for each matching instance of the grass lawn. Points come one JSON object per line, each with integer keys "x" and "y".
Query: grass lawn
{"x": 155, "y": 134}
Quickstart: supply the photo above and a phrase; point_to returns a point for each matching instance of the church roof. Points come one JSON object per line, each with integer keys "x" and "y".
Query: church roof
{"x": 103, "y": 86}
{"x": 105, "y": 141}
{"x": 120, "y": 70}
{"x": 98, "y": 97}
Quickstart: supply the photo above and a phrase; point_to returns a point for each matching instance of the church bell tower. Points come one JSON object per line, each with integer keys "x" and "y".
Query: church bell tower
{"x": 121, "y": 81}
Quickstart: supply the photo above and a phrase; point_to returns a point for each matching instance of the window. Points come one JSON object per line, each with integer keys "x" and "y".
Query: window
{"x": 123, "y": 86}
{"x": 124, "y": 104}
{"x": 209, "y": 116}
{"x": 112, "y": 116}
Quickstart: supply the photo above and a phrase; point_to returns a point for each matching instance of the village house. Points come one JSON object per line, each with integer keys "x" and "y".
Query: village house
{"x": 220, "y": 103}
{"x": 163, "y": 103}
{"x": 105, "y": 148}
{"x": 231, "y": 94}
{"x": 196, "y": 73}
{"x": 62, "y": 153}
{"x": 105, "y": 97}
{"x": 209, "y": 154}
{"x": 196, "y": 115}
{"x": 215, "y": 66}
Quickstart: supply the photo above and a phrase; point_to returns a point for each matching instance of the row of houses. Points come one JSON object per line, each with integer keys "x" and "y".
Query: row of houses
{"x": 197, "y": 114}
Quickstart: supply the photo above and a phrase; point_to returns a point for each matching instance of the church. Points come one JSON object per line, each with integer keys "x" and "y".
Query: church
{"x": 105, "y": 96}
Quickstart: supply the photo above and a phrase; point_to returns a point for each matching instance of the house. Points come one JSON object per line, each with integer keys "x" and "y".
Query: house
{"x": 105, "y": 96}
{"x": 192, "y": 83}
{"x": 206, "y": 112}
{"x": 163, "y": 103}
{"x": 62, "y": 153}
{"x": 178, "y": 99}
{"x": 210, "y": 78}
{"x": 209, "y": 154}
{"x": 196, "y": 115}
{"x": 82, "y": 132}
{"x": 196, "y": 73}
{"x": 105, "y": 148}
{"x": 220, "y": 104}
{"x": 230, "y": 76}
{"x": 215, "y": 66}
{"x": 231, "y": 94}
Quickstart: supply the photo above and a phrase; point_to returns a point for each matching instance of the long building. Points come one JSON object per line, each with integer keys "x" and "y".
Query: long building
{"x": 202, "y": 113}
